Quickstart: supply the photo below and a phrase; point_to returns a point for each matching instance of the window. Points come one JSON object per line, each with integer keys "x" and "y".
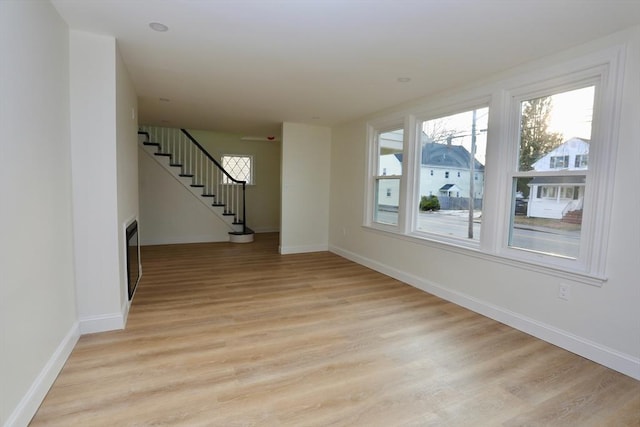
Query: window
{"x": 581, "y": 161}
{"x": 549, "y": 149}
{"x": 559, "y": 162}
{"x": 449, "y": 141}
{"x": 548, "y": 192}
{"x": 553, "y": 127}
{"x": 566, "y": 192}
{"x": 240, "y": 167}
{"x": 389, "y": 152}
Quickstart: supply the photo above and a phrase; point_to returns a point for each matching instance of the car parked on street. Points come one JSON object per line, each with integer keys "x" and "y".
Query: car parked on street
{"x": 521, "y": 204}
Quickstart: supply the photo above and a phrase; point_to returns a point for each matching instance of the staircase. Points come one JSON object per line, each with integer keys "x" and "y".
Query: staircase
{"x": 573, "y": 217}
{"x": 182, "y": 156}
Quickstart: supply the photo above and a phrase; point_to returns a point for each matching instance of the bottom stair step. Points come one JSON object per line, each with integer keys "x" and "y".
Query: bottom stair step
{"x": 245, "y": 236}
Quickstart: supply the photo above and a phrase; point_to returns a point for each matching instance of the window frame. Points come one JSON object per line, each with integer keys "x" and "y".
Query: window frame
{"x": 590, "y": 263}
{"x": 251, "y": 180}
{"x": 553, "y": 162}
{"x": 581, "y": 161}
{"x": 604, "y": 69}
{"x": 459, "y": 106}
{"x": 374, "y": 130}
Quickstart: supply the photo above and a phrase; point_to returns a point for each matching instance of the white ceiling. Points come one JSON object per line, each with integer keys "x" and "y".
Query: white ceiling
{"x": 246, "y": 66}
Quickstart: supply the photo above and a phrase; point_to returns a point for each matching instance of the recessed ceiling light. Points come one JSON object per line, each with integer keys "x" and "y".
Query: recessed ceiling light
{"x": 156, "y": 26}
{"x": 404, "y": 79}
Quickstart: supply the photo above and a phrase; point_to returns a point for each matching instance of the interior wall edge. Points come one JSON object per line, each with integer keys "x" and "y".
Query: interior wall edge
{"x": 101, "y": 323}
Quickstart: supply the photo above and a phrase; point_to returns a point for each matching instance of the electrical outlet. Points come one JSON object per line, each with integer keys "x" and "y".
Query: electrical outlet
{"x": 563, "y": 291}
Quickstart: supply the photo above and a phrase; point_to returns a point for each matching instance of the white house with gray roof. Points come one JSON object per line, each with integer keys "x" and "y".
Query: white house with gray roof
{"x": 560, "y": 196}
{"x": 445, "y": 171}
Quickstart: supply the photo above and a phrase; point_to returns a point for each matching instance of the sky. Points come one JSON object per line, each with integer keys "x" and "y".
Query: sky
{"x": 460, "y": 125}
{"x": 572, "y": 113}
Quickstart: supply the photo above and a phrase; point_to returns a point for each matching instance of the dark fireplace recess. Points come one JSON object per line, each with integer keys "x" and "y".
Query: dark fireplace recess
{"x": 133, "y": 258}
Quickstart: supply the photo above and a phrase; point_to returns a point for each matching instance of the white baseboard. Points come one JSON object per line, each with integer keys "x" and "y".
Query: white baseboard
{"x": 603, "y": 355}
{"x": 286, "y": 250}
{"x": 202, "y": 238}
{"x": 184, "y": 240}
{"x": 29, "y": 404}
{"x": 266, "y": 229}
{"x": 103, "y": 323}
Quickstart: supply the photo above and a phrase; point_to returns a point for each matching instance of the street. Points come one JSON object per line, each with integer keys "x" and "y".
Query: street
{"x": 455, "y": 224}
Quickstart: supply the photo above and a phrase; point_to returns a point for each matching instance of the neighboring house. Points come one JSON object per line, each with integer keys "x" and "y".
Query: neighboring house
{"x": 67, "y": 136}
{"x": 445, "y": 171}
{"x": 556, "y": 197}
{"x": 389, "y": 189}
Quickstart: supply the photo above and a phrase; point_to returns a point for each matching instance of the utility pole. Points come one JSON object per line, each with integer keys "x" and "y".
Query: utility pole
{"x": 472, "y": 167}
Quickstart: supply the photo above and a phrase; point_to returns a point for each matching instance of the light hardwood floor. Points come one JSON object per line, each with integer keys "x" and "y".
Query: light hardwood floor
{"x": 237, "y": 335}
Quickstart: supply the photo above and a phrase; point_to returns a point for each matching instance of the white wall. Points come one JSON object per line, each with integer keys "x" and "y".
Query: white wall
{"x": 169, "y": 213}
{"x": 38, "y": 325}
{"x": 95, "y": 187}
{"x": 263, "y": 198}
{"x": 306, "y": 152}
{"x": 127, "y": 164}
{"x": 601, "y": 323}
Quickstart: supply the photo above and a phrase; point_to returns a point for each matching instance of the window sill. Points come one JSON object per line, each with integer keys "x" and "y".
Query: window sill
{"x": 576, "y": 276}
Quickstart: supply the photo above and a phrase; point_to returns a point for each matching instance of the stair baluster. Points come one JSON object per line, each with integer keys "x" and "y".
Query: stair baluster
{"x": 205, "y": 171}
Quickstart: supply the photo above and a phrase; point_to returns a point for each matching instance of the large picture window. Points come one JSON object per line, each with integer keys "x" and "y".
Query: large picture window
{"x": 450, "y": 204}
{"x": 548, "y": 196}
{"x": 520, "y": 172}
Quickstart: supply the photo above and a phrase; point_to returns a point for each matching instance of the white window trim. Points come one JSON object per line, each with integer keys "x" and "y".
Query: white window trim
{"x": 413, "y": 162}
{"x": 251, "y": 169}
{"x": 594, "y": 231}
{"x": 605, "y": 68}
{"x": 374, "y": 129}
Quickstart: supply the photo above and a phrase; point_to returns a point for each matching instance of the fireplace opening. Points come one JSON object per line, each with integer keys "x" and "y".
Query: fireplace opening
{"x": 133, "y": 258}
